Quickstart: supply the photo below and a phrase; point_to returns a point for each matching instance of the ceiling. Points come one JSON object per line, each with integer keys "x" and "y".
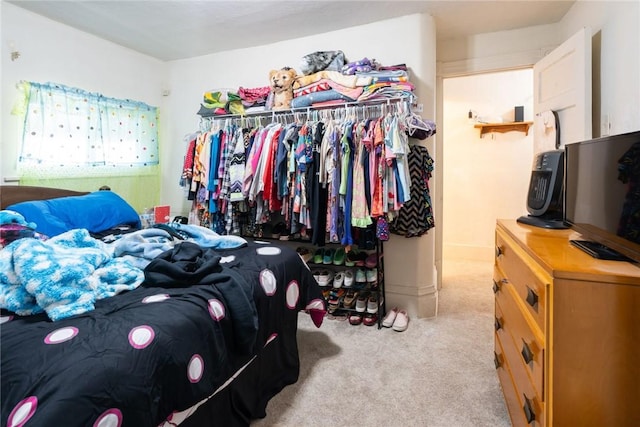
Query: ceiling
{"x": 170, "y": 30}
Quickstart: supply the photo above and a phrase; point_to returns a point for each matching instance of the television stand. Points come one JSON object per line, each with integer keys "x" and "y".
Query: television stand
{"x": 600, "y": 251}
{"x": 543, "y": 222}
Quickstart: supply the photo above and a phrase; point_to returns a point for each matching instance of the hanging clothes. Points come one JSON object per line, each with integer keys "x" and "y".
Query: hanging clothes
{"x": 327, "y": 179}
{"x": 416, "y": 216}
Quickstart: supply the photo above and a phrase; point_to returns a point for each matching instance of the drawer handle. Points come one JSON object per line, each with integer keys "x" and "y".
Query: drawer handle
{"x": 528, "y": 410}
{"x": 499, "y": 251}
{"x": 526, "y": 352}
{"x": 496, "y": 287}
{"x": 532, "y": 298}
{"x": 498, "y": 324}
{"x": 496, "y": 360}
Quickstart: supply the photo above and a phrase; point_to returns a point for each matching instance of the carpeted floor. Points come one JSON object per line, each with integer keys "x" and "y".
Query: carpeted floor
{"x": 438, "y": 373}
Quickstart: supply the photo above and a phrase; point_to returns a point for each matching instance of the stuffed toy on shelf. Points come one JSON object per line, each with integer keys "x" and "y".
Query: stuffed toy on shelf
{"x": 281, "y": 84}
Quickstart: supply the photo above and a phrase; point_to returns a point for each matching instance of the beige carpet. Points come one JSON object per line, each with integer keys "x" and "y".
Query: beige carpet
{"x": 438, "y": 373}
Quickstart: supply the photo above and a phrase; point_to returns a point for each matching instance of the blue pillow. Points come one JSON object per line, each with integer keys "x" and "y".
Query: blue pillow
{"x": 97, "y": 211}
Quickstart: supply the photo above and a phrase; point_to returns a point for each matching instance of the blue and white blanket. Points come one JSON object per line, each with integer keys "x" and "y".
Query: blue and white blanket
{"x": 62, "y": 276}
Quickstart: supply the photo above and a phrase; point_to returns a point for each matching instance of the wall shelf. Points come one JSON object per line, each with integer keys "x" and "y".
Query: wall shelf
{"x": 503, "y": 127}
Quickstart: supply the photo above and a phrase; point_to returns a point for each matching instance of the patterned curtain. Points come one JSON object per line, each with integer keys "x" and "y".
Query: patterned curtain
{"x": 72, "y": 134}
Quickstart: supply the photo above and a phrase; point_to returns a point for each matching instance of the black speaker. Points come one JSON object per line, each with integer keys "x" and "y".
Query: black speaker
{"x": 518, "y": 113}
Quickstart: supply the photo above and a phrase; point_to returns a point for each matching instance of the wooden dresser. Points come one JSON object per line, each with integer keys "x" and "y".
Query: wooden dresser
{"x": 567, "y": 331}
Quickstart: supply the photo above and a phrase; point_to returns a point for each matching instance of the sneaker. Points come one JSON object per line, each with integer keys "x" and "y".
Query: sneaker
{"x": 372, "y": 304}
{"x": 402, "y": 321}
{"x": 316, "y": 274}
{"x": 361, "y": 303}
{"x": 328, "y": 256}
{"x": 372, "y": 275}
{"x": 387, "y": 322}
{"x": 338, "y": 256}
{"x": 338, "y": 279}
{"x": 324, "y": 278}
{"x": 361, "y": 276}
{"x": 318, "y": 256}
{"x": 348, "y": 278}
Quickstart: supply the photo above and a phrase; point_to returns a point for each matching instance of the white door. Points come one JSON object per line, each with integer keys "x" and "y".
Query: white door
{"x": 562, "y": 84}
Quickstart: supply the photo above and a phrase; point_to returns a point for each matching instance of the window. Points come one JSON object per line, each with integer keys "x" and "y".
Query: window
{"x": 80, "y": 140}
{"x": 69, "y": 132}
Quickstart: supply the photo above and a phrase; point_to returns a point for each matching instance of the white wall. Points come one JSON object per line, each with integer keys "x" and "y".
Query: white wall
{"x": 616, "y": 59}
{"x": 616, "y": 92}
{"x": 52, "y": 52}
{"x": 484, "y": 178}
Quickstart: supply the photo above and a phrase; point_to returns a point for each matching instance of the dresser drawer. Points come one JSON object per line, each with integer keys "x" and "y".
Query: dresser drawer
{"x": 523, "y": 348}
{"x": 508, "y": 387}
{"x": 524, "y": 406}
{"x": 519, "y": 270}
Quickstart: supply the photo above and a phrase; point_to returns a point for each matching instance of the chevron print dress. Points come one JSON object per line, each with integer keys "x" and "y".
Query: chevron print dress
{"x": 416, "y": 216}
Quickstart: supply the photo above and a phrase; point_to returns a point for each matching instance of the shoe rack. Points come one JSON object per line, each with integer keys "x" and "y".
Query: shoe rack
{"x": 352, "y": 291}
{"x": 334, "y": 261}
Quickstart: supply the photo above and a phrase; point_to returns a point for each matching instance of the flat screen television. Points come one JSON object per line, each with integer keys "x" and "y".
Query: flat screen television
{"x": 602, "y": 192}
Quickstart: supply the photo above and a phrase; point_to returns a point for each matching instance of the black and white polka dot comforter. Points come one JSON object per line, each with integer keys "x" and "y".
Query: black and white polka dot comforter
{"x": 167, "y": 352}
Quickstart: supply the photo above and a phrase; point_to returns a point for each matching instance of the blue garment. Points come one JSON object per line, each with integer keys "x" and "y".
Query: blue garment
{"x": 322, "y": 96}
{"x": 347, "y": 238}
{"x": 213, "y": 169}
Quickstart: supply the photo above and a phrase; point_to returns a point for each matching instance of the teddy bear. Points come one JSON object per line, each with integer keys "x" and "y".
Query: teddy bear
{"x": 281, "y": 84}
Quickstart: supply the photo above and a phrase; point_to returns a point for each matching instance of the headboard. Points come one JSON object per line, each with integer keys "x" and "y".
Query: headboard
{"x": 10, "y": 194}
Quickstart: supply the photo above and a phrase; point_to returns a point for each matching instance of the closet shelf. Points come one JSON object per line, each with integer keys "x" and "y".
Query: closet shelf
{"x": 410, "y": 100}
{"x": 503, "y": 127}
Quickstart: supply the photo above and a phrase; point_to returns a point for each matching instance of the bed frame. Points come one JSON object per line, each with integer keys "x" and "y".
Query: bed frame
{"x": 11, "y": 194}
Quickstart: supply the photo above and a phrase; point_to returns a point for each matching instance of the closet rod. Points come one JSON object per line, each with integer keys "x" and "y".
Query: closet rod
{"x": 272, "y": 113}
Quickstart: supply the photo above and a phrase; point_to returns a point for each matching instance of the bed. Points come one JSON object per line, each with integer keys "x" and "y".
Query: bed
{"x": 208, "y": 347}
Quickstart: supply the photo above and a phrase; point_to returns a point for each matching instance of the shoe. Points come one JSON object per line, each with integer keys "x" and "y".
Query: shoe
{"x": 338, "y": 256}
{"x": 338, "y": 279}
{"x": 361, "y": 303}
{"x": 316, "y": 274}
{"x": 348, "y": 278}
{"x": 372, "y": 304}
{"x": 278, "y": 230}
{"x": 349, "y": 299}
{"x": 361, "y": 276}
{"x": 324, "y": 278}
{"x": 401, "y": 323}
{"x": 370, "y": 319}
{"x": 328, "y": 256}
{"x": 372, "y": 275}
{"x": 355, "y": 319}
{"x": 304, "y": 253}
{"x": 359, "y": 258}
{"x": 350, "y": 258}
{"x": 318, "y": 256}
{"x": 388, "y": 320}
{"x": 371, "y": 261}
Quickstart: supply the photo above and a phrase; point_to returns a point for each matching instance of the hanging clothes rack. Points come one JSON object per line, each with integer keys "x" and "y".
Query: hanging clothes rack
{"x": 361, "y": 110}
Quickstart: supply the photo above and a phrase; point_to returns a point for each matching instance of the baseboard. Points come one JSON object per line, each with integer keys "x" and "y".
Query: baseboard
{"x": 420, "y": 302}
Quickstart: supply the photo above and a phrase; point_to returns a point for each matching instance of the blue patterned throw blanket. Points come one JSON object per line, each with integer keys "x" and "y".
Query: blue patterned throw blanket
{"x": 62, "y": 276}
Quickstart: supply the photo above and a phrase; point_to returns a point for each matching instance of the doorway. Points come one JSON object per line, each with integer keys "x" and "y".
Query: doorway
{"x": 484, "y": 178}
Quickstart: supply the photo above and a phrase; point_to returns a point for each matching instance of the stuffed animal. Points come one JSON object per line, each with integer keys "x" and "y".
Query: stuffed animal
{"x": 281, "y": 84}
